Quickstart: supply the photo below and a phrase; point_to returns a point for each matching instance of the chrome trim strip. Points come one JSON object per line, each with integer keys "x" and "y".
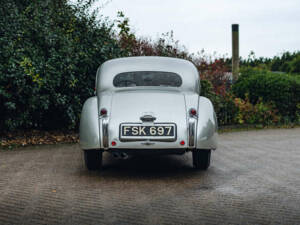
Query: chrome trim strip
{"x": 147, "y": 118}
{"x": 192, "y": 123}
{"x": 105, "y": 132}
{"x": 147, "y": 143}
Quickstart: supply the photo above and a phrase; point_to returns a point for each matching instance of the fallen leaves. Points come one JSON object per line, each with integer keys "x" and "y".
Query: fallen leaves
{"x": 36, "y": 137}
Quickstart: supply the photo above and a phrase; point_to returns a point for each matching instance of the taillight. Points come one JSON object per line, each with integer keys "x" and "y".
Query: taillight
{"x": 113, "y": 143}
{"x": 193, "y": 112}
{"x": 103, "y": 112}
{"x": 182, "y": 143}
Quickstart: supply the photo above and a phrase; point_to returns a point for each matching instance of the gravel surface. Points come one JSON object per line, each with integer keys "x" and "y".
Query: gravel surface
{"x": 254, "y": 178}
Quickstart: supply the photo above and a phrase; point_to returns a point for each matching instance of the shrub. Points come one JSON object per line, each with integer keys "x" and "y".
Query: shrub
{"x": 215, "y": 72}
{"x": 224, "y": 106}
{"x": 260, "y": 113}
{"x": 226, "y": 110}
{"x": 50, "y": 52}
{"x": 281, "y": 89}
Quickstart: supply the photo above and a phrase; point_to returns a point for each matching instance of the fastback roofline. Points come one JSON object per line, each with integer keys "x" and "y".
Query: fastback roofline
{"x": 186, "y": 69}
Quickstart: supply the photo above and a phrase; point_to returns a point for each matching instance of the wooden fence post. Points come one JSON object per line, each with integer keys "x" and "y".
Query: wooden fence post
{"x": 235, "y": 52}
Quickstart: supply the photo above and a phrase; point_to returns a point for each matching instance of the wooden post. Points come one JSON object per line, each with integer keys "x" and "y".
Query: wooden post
{"x": 235, "y": 52}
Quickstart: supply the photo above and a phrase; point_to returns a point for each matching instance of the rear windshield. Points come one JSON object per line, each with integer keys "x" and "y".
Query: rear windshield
{"x": 147, "y": 78}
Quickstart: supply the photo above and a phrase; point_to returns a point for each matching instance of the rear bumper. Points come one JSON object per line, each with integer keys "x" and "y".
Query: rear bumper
{"x": 178, "y": 151}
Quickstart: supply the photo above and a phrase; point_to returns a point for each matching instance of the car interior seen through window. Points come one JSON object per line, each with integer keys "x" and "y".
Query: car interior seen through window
{"x": 147, "y": 78}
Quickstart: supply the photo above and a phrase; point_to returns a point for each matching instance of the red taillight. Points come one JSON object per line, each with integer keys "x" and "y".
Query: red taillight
{"x": 113, "y": 143}
{"x": 103, "y": 112}
{"x": 182, "y": 143}
{"x": 193, "y": 112}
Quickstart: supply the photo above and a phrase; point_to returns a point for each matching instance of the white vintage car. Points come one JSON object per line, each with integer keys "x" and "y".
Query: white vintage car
{"x": 148, "y": 105}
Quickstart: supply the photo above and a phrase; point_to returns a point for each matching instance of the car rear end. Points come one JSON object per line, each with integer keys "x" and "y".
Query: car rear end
{"x": 147, "y": 105}
{"x": 139, "y": 119}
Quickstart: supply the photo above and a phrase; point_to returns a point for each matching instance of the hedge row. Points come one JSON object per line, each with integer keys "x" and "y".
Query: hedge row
{"x": 282, "y": 90}
{"x": 258, "y": 97}
{"x": 49, "y": 54}
{"x": 51, "y": 50}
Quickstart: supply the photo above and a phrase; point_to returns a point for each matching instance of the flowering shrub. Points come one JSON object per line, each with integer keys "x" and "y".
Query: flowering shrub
{"x": 232, "y": 110}
{"x": 226, "y": 109}
{"x": 216, "y": 73}
{"x": 260, "y": 113}
{"x": 224, "y": 106}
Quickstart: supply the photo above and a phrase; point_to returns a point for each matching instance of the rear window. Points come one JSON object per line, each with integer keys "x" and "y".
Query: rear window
{"x": 147, "y": 78}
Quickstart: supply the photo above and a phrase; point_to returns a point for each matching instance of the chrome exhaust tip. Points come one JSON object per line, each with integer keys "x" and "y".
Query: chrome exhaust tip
{"x": 124, "y": 155}
{"x": 116, "y": 155}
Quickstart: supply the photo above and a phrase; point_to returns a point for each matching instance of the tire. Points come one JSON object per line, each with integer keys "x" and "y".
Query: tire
{"x": 93, "y": 159}
{"x": 201, "y": 159}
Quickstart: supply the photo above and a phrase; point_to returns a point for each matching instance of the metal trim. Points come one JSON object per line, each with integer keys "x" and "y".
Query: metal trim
{"x": 147, "y": 118}
{"x": 192, "y": 123}
{"x": 105, "y": 133}
{"x": 145, "y": 151}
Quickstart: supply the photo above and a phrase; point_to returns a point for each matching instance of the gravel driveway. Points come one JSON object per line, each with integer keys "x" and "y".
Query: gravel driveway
{"x": 254, "y": 178}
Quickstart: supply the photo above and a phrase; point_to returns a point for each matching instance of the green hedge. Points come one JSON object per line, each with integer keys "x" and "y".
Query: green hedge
{"x": 281, "y": 89}
{"x": 50, "y": 52}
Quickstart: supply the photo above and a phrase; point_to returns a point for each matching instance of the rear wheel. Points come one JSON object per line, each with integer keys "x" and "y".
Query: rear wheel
{"x": 201, "y": 159}
{"x": 93, "y": 159}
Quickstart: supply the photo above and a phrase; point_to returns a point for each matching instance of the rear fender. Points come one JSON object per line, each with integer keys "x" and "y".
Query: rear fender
{"x": 207, "y": 125}
{"x": 89, "y": 125}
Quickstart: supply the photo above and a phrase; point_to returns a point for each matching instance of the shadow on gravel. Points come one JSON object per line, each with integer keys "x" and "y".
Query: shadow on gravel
{"x": 146, "y": 167}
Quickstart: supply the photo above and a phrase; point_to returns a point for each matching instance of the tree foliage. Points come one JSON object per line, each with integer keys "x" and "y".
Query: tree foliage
{"x": 288, "y": 62}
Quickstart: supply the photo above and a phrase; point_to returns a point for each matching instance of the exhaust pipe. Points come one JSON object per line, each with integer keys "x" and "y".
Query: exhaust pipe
{"x": 121, "y": 155}
{"x": 124, "y": 155}
{"x": 116, "y": 155}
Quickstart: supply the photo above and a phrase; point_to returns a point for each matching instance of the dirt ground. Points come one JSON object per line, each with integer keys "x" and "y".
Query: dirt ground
{"x": 254, "y": 178}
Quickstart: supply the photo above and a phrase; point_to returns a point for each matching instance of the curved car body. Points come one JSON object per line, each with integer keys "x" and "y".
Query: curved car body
{"x": 148, "y": 105}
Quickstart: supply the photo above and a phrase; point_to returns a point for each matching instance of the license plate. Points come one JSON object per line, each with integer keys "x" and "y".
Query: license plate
{"x": 163, "y": 131}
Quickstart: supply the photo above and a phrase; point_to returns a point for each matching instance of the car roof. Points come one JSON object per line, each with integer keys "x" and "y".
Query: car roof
{"x": 110, "y": 68}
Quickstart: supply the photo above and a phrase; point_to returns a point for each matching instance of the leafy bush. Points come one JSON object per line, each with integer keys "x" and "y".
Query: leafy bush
{"x": 215, "y": 72}
{"x": 260, "y": 113}
{"x": 281, "y": 89}
{"x": 226, "y": 110}
{"x": 50, "y": 52}
{"x": 224, "y": 106}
